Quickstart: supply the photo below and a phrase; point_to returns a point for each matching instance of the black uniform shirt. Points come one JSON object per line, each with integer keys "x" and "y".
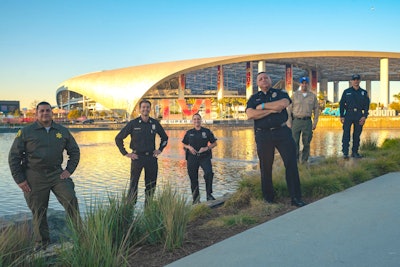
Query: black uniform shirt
{"x": 143, "y": 136}
{"x": 354, "y": 102}
{"x": 275, "y": 119}
{"x": 198, "y": 139}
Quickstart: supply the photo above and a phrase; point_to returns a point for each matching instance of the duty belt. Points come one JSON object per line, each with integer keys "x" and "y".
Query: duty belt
{"x": 303, "y": 118}
{"x": 272, "y": 128}
{"x": 142, "y": 153}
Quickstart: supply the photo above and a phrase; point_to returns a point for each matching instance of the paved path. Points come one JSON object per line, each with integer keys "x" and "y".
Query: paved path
{"x": 357, "y": 227}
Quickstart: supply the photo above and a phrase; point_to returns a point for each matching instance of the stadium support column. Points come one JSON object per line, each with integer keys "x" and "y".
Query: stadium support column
{"x": 368, "y": 87}
{"x": 314, "y": 81}
{"x": 384, "y": 82}
{"x": 220, "y": 82}
{"x": 335, "y": 91}
{"x": 289, "y": 79}
{"x": 249, "y": 79}
{"x": 181, "y": 87}
{"x": 261, "y": 68}
{"x": 323, "y": 88}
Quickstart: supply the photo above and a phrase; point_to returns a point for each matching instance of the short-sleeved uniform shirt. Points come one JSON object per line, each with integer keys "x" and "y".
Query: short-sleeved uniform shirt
{"x": 198, "y": 139}
{"x": 275, "y": 119}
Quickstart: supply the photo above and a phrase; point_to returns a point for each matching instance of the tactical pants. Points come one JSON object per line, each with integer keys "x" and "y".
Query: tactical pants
{"x": 348, "y": 121}
{"x": 193, "y": 164}
{"x": 150, "y": 166}
{"x": 303, "y": 128}
{"x": 41, "y": 183}
{"x": 267, "y": 141}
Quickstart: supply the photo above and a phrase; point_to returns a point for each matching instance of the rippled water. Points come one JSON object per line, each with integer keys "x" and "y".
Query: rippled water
{"x": 103, "y": 171}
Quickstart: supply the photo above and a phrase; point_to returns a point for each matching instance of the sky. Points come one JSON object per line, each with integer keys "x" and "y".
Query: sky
{"x": 45, "y": 42}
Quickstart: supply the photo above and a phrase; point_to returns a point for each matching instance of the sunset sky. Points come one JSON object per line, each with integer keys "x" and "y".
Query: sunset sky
{"x": 43, "y": 43}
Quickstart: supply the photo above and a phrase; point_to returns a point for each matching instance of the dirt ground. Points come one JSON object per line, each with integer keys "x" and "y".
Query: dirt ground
{"x": 197, "y": 238}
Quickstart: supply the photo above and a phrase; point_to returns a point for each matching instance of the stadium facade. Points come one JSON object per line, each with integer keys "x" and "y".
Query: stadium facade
{"x": 219, "y": 86}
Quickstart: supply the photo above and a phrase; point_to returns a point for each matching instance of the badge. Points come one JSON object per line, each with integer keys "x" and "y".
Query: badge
{"x": 153, "y": 127}
{"x": 362, "y": 93}
{"x": 204, "y": 135}
{"x": 19, "y": 133}
{"x": 274, "y": 94}
{"x": 59, "y": 135}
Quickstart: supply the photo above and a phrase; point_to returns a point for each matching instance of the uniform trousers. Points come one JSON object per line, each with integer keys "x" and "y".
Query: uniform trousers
{"x": 267, "y": 141}
{"x": 150, "y": 166}
{"x": 302, "y": 128}
{"x": 348, "y": 121}
{"x": 193, "y": 164}
{"x": 41, "y": 183}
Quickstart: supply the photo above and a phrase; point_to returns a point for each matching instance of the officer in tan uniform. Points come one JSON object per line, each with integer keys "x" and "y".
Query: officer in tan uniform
{"x": 303, "y": 118}
{"x": 35, "y": 160}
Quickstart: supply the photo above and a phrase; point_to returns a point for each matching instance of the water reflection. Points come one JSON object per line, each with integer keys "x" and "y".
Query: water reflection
{"x": 104, "y": 171}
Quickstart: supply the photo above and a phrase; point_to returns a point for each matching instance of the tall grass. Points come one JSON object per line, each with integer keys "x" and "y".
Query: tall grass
{"x": 103, "y": 237}
{"x": 166, "y": 217}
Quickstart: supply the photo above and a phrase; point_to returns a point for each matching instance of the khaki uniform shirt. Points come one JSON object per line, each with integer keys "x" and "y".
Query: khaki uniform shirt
{"x": 38, "y": 149}
{"x": 303, "y": 106}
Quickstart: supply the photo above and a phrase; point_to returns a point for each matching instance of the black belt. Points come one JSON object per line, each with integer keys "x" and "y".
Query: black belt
{"x": 304, "y": 118}
{"x": 272, "y": 128}
{"x": 143, "y": 153}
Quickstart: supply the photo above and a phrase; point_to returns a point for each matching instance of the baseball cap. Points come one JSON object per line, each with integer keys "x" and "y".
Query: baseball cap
{"x": 302, "y": 79}
{"x": 356, "y": 77}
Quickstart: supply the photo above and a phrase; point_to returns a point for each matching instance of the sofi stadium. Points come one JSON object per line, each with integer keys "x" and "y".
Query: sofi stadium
{"x": 219, "y": 87}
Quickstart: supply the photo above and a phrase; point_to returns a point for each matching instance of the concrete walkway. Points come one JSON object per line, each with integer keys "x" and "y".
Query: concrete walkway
{"x": 357, "y": 227}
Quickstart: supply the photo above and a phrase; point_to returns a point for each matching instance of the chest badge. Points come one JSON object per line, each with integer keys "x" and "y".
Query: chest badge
{"x": 153, "y": 127}
{"x": 59, "y": 135}
{"x": 274, "y": 94}
{"x": 204, "y": 134}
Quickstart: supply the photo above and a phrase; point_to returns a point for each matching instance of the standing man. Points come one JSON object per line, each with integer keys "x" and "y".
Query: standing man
{"x": 198, "y": 143}
{"x": 304, "y": 107}
{"x": 268, "y": 110}
{"x": 354, "y": 107}
{"x": 35, "y": 160}
{"x": 143, "y": 132}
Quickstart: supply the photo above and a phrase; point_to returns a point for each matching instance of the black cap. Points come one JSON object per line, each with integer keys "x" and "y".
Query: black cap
{"x": 356, "y": 77}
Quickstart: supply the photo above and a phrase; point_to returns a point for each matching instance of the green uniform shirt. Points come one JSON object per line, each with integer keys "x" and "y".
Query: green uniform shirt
{"x": 38, "y": 149}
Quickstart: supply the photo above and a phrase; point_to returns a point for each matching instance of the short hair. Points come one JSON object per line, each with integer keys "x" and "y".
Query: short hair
{"x": 42, "y": 104}
{"x": 144, "y": 101}
{"x": 196, "y": 114}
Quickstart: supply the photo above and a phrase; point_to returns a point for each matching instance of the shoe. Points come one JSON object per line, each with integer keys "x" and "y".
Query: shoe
{"x": 210, "y": 197}
{"x": 356, "y": 155}
{"x": 39, "y": 246}
{"x": 345, "y": 156}
{"x": 196, "y": 201}
{"x": 298, "y": 202}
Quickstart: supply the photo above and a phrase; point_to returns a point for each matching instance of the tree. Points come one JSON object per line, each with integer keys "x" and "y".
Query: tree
{"x": 74, "y": 114}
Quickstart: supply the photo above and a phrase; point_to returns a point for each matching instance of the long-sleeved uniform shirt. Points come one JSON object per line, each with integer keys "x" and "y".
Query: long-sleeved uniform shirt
{"x": 354, "y": 103}
{"x": 36, "y": 148}
{"x": 143, "y": 136}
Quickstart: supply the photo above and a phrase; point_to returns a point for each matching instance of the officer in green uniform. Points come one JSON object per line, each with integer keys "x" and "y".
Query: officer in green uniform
{"x": 303, "y": 118}
{"x": 35, "y": 160}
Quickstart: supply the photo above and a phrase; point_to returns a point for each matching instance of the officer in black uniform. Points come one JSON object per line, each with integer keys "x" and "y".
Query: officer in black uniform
{"x": 268, "y": 109}
{"x": 354, "y": 107}
{"x": 143, "y": 132}
{"x": 198, "y": 143}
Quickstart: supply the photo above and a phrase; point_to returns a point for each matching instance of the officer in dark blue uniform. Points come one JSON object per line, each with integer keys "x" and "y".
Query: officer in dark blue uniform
{"x": 268, "y": 109}
{"x": 143, "y": 132}
{"x": 354, "y": 106}
{"x": 198, "y": 143}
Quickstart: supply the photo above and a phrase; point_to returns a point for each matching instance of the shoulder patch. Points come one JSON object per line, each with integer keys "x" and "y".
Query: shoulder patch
{"x": 18, "y": 133}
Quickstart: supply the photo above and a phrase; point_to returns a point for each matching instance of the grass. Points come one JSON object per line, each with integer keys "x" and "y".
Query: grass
{"x": 113, "y": 232}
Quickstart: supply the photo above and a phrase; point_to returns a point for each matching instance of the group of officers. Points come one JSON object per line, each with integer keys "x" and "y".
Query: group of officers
{"x": 36, "y": 155}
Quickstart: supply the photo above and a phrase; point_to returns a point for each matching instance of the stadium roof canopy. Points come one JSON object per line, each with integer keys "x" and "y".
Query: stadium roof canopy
{"x": 123, "y": 88}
